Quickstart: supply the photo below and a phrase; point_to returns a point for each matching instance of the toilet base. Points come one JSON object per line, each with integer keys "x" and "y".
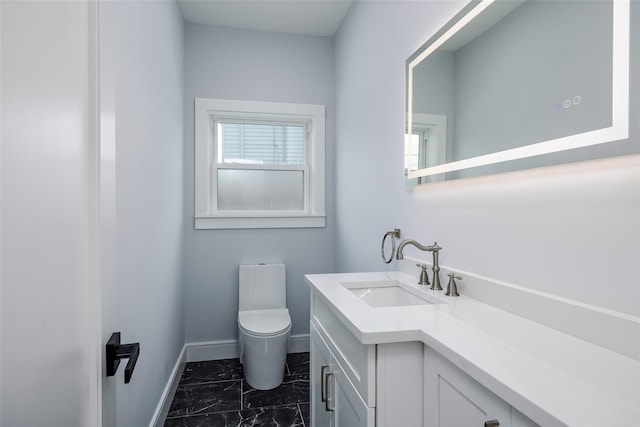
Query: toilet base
{"x": 263, "y": 359}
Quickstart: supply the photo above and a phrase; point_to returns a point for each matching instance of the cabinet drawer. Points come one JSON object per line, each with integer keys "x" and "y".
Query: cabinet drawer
{"x": 357, "y": 360}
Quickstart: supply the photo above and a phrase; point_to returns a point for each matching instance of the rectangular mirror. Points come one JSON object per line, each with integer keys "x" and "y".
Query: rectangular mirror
{"x": 509, "y": 85}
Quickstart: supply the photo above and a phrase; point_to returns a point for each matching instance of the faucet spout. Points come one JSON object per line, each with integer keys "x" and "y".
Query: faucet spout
{"x": 431, "y": 248}
{"x": 434, "y": 249}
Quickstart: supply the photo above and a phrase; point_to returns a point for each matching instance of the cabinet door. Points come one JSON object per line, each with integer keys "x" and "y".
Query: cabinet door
{"x": 319, "y": 366}
{"x": 335, "y": 402}
{"x": 454, "y": 399}
{"x": 350, "y": 409}
{"x": 518, "y": 419}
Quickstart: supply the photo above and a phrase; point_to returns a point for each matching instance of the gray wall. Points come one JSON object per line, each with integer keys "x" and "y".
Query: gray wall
{"x": 568, "y": 230}
{"x": 372, "y": 46}
{"x": 149, "y": 186}
{"x": 235, "y": 64}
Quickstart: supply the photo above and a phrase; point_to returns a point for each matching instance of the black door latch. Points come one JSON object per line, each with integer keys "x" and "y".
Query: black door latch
{"x": 117, "y": 351}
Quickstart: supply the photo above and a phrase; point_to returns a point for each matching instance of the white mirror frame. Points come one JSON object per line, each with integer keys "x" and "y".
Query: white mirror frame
{"x": 618, "y": 130}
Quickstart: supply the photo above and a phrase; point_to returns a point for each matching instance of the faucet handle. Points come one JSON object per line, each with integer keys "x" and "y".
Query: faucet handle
{"x": 452, "y": 288}
{"x": 424, "y": 278}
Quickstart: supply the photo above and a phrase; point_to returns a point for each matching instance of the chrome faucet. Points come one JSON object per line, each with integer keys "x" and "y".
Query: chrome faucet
{"x": 434, "y": 249}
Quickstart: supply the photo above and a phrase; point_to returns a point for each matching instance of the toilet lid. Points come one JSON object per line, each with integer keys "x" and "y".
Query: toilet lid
{"x": 264, "y": 322}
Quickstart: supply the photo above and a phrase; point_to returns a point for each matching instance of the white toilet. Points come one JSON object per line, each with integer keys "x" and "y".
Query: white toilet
{"x": 263, "y": 324}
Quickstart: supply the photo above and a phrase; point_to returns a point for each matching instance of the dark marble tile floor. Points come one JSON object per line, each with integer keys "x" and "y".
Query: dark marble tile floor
{"x": 215, "y": 394}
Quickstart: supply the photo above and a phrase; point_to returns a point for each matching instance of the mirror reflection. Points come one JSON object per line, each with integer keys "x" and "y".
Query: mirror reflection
{"x": 519, "y": 80}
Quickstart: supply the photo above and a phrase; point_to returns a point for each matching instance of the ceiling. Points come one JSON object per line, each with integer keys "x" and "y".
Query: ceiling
{"x": 309, "y": 17}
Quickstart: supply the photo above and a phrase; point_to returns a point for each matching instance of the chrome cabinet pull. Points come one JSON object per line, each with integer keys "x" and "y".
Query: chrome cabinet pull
{"x": 492, "y": 423}
{"x": 326, "y": 392}
{"x": 323, "y": 396}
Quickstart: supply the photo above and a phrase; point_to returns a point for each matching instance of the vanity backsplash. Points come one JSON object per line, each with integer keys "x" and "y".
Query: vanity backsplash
{"x": 560, "y": 313}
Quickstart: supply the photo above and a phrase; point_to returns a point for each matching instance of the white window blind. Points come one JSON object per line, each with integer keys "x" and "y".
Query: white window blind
{"x": 260, "y": 143}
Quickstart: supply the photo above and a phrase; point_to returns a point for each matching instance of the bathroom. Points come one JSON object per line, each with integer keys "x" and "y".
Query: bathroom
{"x": 569, "y": 230}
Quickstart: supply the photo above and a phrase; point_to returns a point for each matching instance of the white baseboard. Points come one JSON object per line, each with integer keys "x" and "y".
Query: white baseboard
{"x": 217, "y": 350}
{"x": 299, "y": 343}
{"x": 169, "y": 391}
{"x": 212, "y": 350}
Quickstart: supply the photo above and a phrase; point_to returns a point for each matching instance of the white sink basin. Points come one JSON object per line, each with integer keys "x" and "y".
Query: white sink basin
{"x": 389, "y": 293}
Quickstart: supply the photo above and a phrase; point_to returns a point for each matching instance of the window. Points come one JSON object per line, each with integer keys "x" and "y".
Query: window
{"x": 426, "y": 145}
{"x": 258, "y": 164}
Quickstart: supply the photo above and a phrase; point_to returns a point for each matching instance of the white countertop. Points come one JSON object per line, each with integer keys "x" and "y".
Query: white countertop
{"x": 551, "y": 377}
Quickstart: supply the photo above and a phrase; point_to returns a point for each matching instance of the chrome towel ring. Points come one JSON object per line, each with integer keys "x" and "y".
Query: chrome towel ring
{"x": 394, "y": 234}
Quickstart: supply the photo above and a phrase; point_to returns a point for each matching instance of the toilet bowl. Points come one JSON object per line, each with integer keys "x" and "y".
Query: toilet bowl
{"x": 264, "y": 324}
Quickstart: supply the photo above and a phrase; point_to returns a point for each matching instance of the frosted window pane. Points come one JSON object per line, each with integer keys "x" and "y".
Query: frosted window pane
{"x": 240, "y": 189}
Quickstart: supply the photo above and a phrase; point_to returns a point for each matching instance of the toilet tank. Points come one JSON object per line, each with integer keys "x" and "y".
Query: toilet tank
{"x": 262, "y": 286}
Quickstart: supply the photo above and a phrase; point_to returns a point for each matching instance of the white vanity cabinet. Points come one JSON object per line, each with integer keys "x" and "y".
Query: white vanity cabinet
{"x": 462, "y": 363}
{"x": 355, "y": 385}
{"x": 454, "y": 399}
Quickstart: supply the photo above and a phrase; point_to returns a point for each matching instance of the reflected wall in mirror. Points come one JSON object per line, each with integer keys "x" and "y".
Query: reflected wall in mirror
{"x": 506, "y": 83}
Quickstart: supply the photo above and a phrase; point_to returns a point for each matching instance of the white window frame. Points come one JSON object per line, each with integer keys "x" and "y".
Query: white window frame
{"x": 207, "y": 216}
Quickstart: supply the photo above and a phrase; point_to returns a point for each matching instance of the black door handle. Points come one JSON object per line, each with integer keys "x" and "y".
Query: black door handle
{"x": 116, "y": 351}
